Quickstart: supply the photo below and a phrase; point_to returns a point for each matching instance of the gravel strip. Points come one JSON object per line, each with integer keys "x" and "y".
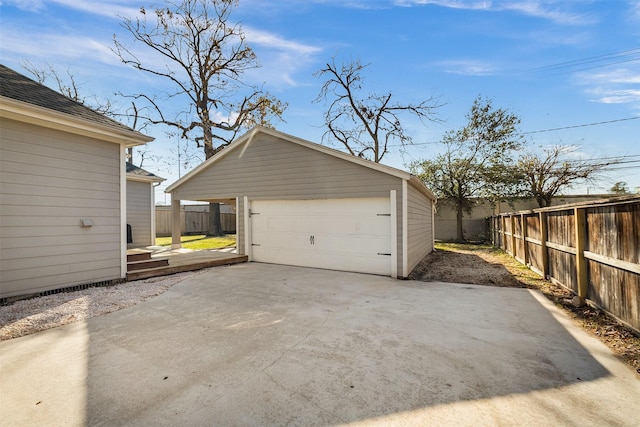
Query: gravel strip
{"x": 37, "y": 314}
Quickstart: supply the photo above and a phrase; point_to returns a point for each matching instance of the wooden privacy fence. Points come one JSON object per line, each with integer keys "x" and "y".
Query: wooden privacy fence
{"x": 193, "y": 222}
{"x": 592, "y": 249}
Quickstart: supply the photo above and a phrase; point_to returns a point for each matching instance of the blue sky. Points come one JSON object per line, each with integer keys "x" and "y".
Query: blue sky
{"x": 555, "y": 64}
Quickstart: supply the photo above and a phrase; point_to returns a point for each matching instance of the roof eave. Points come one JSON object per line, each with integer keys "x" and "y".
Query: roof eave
{"x": 33, "y": 114}
{"x": 134, "y": 177}
{"x": 247, "y": 137}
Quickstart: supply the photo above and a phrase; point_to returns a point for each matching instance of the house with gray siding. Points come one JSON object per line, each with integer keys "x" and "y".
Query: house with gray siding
{"x": 63, "y": 204}
{"x": 301, "y": 203}
{"x": 141, "y": 209}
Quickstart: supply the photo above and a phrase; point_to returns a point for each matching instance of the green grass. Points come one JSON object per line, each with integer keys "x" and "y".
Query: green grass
{"x": 201, "y": 241}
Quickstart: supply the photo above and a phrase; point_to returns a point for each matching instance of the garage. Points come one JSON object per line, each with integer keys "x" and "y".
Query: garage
{"x": 304, "y": 204}
{"x": 337, "y": 234}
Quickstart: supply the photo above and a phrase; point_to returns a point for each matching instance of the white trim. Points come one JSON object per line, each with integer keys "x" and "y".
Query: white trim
{"x": 138, "y": 178}
{"x": 237, "y": 224}
{"x": 433, "y": 226}
{"x": 123, "y": 213}
{"x": 394, "y": 233}
{"x": 152, "y": 189}
{"x": 247, "y": 229}
{"x": 405, "y": 234}
{"x": 41, "y": 116}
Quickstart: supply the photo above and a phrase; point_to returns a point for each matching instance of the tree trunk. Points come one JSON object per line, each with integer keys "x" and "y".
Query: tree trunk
{"x": 215, "y": 225}
{"x": 459, "y": 230}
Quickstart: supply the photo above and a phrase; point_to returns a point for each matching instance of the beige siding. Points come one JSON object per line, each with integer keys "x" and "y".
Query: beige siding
{"x": 419, "y": 227}
{"x": 49, "y": 180}
{"x": 139, "y": 205}
{"x": 276, "y": 169}
{"x": 474, "y": 223}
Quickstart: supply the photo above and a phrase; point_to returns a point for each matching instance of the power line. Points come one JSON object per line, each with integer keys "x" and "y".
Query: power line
{"x": 534, "y": 131}
{"x": 580, "y": 126}
{"x": 634, "y": 54}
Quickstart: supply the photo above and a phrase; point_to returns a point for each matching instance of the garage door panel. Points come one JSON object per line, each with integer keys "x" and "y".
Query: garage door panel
{"x": 347, "y": 234}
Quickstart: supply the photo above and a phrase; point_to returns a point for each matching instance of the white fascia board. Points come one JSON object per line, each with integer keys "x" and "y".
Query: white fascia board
{"x": 139, "y": 178}
{"x": 34, "y": 114}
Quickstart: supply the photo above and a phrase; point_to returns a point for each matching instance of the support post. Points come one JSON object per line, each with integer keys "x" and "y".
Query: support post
{"x": 176, "y": 224}
{"x": 581, "y": 262}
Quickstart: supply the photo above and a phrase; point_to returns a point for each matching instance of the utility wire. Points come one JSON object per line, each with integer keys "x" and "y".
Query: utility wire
{"x": 580, "y": 126}
{"x": 629, "y": 53}
{"x": 534, "y": 131}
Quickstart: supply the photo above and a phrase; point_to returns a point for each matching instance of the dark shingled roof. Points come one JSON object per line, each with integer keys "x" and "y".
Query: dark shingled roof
{"x": 135, "y": 170}
{"x": 21, "y": 88}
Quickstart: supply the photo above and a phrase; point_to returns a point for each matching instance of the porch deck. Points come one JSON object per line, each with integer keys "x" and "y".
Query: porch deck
{"x": 181, "y": 260}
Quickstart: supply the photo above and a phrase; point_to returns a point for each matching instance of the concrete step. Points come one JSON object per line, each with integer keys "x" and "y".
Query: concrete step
{"x": 146, "y": 264}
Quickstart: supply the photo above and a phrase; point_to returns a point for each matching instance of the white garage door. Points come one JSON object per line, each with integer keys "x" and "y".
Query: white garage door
{"x": 337, "y": 234}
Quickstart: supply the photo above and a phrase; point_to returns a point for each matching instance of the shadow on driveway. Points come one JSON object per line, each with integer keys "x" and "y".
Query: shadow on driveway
{"x": 258, "y": 344}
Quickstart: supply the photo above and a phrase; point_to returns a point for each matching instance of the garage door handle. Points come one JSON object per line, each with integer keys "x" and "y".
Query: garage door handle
{"x": 312, "y": 240}
{"x": 382, "y": 253}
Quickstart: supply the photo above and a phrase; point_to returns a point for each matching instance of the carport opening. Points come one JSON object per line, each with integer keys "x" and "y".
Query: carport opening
{"x": 191, "y": 222}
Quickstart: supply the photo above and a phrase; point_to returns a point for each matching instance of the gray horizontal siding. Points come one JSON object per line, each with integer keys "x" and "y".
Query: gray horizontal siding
{"x": 277, "y": 169}
{"x": 49, "y": 180}
{"x": 419, "y": 227}
{"x": 139, "y": 212}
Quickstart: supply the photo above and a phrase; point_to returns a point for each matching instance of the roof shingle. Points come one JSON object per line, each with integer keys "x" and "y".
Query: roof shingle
{"x": 21, "y": 88}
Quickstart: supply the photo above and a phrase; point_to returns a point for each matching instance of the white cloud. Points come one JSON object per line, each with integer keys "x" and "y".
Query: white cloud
{"x": 273, "y": 41}
{"x": 617, "y": 86}
{"x": 548, "y": 9}
{"x": 108, "y": 8}
{"x": 56, "y": 46}
{"x": 467, "y": 67}
{"x": 619, "y": 96}
{"x": 281, "y": 58}
{"x": 28, "y": 5}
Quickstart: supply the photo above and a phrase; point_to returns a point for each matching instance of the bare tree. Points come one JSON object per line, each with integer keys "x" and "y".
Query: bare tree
{"x": 66, "y": 83}
{"x": 366, "y": 125}
{"x": 546, "y": 174}
{"x": 203, "y": 56}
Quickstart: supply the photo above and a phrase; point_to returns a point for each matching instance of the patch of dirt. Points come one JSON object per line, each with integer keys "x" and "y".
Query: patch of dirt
{"x": 463, "y": 267}
{"x": 486, "y": 265}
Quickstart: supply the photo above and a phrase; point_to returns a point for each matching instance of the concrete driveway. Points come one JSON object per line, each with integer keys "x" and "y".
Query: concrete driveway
{"x": 257, "y": 344}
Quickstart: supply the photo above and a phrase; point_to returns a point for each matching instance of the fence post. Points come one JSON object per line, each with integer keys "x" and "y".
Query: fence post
{"x": 543, "y": 244}
{"x": 525, "y": 247}
{"x": 581, "y": 262}
{"x": 514, "y": 252}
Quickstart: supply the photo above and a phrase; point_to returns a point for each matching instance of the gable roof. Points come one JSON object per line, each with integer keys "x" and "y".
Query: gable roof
{"x": 246, "y": 139}
{"x": 138, "y": 174}
{"x": 27, "y": 100}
